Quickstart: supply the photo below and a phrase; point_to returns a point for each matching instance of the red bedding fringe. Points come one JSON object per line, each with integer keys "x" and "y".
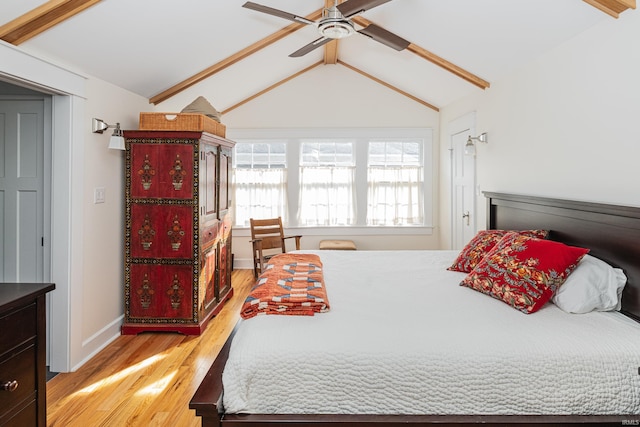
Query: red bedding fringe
{"x": 291, "y": 284}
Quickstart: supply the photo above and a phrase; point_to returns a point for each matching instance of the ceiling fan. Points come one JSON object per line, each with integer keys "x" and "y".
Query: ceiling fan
{"x": 336, "y": 23}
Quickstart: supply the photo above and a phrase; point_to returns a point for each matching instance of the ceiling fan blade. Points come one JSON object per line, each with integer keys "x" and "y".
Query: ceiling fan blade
{"x": 311, "y": 46}
{"x": 276, "y": 12}
{"x": 353, "y": 7}
{"x": 385, "y": 37}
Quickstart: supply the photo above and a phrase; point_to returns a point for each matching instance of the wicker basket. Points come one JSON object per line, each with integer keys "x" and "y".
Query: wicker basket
{"x": 181, "y": 121}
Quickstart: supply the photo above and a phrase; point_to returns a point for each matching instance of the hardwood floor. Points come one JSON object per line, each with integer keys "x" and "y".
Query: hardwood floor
{"x": 146, "y": 379}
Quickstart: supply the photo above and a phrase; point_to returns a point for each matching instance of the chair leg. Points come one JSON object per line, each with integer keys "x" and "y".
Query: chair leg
{"x": 258, "y": 260}
{"x": 255, "y": 270}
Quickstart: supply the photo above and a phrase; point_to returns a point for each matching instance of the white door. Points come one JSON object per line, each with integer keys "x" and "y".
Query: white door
{"x": 22, "y": 190}
{"x": 463, "y": 209}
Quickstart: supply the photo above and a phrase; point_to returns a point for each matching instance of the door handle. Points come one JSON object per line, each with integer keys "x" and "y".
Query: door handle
{"x": 466, "y": 215}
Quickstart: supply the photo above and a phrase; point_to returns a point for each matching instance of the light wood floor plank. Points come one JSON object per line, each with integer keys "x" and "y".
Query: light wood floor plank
{"x": 144, "y": 380}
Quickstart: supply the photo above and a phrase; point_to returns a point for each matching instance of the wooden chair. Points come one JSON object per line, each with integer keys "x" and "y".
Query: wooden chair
{"x": 268, "y": 239}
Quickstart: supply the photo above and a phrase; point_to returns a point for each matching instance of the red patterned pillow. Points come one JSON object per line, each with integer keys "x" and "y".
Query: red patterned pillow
{"x": 482, "y": 243}
{"x": 524, "y": 271}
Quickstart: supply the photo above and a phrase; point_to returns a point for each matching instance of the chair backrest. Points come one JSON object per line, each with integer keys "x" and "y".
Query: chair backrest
{"x": 270, "y": 231}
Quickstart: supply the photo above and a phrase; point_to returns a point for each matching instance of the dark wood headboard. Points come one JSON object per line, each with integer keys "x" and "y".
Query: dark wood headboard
{"x": 611, "y": 232}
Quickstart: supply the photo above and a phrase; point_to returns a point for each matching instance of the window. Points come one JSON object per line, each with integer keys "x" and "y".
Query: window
{"x": 395, "y": 183}
{"x": 334, "y": 177}
{"x": 327, "y": 171}
{"x": 260, "y": 181}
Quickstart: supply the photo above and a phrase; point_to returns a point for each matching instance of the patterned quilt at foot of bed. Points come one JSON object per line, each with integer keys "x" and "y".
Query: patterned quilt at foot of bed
{"x": 291, "y": 284}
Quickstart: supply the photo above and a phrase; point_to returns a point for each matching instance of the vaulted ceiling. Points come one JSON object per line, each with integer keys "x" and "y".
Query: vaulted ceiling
{"x": 158, "y": 48}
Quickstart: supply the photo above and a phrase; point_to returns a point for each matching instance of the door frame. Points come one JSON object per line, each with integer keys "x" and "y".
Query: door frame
{"x": 465, "y": 123}
{"x": 68, "y": 90}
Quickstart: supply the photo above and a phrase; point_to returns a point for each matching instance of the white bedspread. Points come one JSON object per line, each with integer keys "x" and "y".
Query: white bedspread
{"x": 403, "y": 338}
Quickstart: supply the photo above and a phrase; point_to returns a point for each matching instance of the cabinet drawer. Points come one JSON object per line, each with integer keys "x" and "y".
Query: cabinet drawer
{"x": 210, "y": 234}
{"x": 21, "y": 368}
{"x": 17, "y": 327}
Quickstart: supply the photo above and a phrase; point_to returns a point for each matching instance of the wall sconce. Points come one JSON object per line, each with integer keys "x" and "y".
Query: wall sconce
{"x": 470, "y": 146}
{"x": 116, "y": 142}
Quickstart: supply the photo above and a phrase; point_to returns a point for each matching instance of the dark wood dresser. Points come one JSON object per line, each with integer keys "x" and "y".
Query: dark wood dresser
{"x": 23, "y": 354}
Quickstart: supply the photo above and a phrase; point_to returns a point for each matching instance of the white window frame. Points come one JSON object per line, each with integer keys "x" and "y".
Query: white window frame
{"x": 292, "y": 137}
{"x": 283, "y": 210}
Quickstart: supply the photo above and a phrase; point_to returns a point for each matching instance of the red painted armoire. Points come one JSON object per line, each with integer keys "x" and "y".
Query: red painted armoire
{"x": 177, "y": 230}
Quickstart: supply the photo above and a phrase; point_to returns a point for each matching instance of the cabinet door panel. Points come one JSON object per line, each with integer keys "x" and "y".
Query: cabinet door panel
{"x": 225, "y": 170}
{"x": 208, "y": 180}
{"x": 209, "y": 279}
{"x": 161, "y": 231}
{"x": 161, "y": 291}
{"x": 225, "y": 272}
{"x": 162, "y": 171}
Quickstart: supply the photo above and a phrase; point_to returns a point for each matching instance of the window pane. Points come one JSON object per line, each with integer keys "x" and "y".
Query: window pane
{"x": 326, "y": 196}
{"x": 403, "y": 153}
{"x": 327, "y": 175}
{"x": 260, "y": 181}
{"x": 327, "y": 153}
{"x": 395, "y": 183}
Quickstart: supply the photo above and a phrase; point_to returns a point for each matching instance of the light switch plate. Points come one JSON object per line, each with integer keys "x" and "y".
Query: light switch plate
{"x": 98, "y": 195}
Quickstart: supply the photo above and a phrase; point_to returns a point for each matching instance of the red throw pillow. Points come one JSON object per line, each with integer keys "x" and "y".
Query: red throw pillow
{"x": 482, "y": 243}
{"x": 524, "y": 271}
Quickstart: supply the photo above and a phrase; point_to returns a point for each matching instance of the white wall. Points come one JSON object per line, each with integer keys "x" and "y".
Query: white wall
{"x": 103, "y": 225}
{"x": 329, "y": 96}
{"x": 564, "y": 126}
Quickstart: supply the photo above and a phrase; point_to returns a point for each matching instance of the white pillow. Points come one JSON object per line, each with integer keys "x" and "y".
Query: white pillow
{"x": 593, "y": 285}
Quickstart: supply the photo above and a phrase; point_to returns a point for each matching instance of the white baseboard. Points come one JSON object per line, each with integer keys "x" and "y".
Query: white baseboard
{"x": 243, "y": 263}
{"x": 98, "y": 341}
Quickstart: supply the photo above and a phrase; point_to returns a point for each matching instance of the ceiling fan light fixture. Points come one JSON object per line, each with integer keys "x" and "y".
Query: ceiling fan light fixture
{"x": 337, "y": 29}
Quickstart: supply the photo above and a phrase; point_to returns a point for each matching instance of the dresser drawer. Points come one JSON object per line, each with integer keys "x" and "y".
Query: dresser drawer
{"x": 17, "y": 327}
{"x": 26, "y": 415}
{"x": 21, "y": 367}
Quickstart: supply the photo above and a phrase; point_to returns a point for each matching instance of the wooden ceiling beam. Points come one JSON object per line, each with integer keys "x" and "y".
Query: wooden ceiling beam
{"x": 331, "y": 53}
{"x": 452, "y": 68}
{"x": 273, "y": 86}
{"x": 41, "y": 19}
{"x": 293, "y": 76}
{"x": 385, "y": 84}
{"x": 437, "y": 60}
{"x": 612, "y": 7}
{"x": 238, "y": 56}
{"x": 331, "y": 48}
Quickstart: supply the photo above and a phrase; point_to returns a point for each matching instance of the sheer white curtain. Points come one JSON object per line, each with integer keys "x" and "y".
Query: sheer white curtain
{"x": 260, "y": 193}
{"x": 395, "y": 195}
{"x": 327, "y": 196}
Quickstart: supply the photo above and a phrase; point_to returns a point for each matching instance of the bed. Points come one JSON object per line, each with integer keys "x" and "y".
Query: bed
{"x": 612, "y": 233}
